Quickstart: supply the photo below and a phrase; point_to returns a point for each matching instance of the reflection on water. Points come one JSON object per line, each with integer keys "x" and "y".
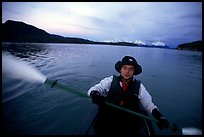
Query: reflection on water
{"x": 173, "y": 78}
{"x": 191, "y": 57}
{"x": 24, "y": 50}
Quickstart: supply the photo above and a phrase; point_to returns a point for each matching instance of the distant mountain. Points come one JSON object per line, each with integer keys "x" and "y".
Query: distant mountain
{"x": 14, "y": 31}
{"x": 153, "y": 46}
{"x": 193, "y": 46}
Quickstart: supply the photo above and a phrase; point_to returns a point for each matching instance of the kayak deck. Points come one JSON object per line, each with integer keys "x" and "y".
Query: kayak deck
{"x": 146, "y": 127}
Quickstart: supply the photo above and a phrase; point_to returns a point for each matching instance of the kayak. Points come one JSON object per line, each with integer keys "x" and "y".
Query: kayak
{"x": 146, "y": 127}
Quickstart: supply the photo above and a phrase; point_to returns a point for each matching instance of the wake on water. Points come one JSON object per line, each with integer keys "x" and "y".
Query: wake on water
{"x": 14, "y": 68}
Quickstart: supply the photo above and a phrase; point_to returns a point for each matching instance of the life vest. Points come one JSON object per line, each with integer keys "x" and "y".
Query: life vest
{"x": 129, "y": 98}
{"x": 112, "y": 121}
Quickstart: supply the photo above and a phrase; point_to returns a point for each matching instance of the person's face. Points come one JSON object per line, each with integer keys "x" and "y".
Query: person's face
{"x": 127, "y": 71}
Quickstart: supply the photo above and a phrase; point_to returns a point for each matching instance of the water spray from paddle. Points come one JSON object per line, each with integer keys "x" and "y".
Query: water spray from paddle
{"x": 11, "y": 67}
{"x": 15, "y": 68}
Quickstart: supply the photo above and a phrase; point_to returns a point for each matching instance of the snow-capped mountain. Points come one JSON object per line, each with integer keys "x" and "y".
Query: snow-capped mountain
{"x": 158, "y": 43}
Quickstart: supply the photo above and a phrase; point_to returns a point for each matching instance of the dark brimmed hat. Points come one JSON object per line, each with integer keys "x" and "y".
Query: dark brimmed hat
{"x": 128, "y": 60}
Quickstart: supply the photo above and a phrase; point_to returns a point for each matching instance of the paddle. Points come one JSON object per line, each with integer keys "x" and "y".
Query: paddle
{"x": 185, "y": 131}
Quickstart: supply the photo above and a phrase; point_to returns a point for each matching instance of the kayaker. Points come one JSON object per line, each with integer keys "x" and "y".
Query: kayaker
{"x": 123, "y": 90}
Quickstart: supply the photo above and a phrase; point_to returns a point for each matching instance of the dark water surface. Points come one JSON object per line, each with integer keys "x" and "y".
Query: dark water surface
{"x": 172, "y": 77}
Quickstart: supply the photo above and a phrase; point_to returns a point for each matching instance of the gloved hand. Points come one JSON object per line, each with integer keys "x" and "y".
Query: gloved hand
{"x": 163, "y": 122}
{"x": 97, "y": 98}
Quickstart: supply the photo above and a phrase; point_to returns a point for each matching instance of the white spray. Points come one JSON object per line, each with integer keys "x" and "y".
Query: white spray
{"x": 12, "y": 67}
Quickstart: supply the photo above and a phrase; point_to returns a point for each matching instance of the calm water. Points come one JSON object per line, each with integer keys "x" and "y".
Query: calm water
{"x": 173, "y": 78}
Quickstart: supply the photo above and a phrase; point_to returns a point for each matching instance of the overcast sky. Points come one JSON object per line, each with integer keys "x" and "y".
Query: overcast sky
{"x": 171, "y": 23}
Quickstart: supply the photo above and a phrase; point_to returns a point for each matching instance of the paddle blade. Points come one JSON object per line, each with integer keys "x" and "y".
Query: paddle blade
{"x": 191, "y": 131}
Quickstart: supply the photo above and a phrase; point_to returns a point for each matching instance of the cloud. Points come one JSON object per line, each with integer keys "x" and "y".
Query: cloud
{"x": 11, "y": 11}
{"x": 147, "y": 21}
{"x": 192, "y": 16}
